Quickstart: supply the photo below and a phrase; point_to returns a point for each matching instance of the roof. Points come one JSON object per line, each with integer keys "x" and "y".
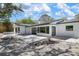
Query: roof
{"x": 23, "y": 24}
{"x": 53, "y": 22}
{"x": 57, "y": 22}
{"x": 64, "y": 22}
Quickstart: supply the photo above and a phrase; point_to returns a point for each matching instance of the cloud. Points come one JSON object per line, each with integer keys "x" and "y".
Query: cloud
{"x": 27, "y": 4}
{"x": 60, "y": 14}
{"x": 27, "y": 13}
{"x": 46, "y": 7}
{"x": 39, "y": 8}
{"x": 75, "y": 7}
{"x": 65, "y": 8}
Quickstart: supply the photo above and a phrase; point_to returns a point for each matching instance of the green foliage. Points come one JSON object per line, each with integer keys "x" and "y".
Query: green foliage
{"x": 6, "y": 11}
{"x": 63, "y": 18}
{"x": 25, "y": 21}
{"x": 45, "y": 19}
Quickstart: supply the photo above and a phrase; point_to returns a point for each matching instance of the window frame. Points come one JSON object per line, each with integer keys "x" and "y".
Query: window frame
{"x": 69, "y": 28}
{"x": 17, "y": 29}
{"x": 42, "y": 30}
{"x": 45, "y": 29}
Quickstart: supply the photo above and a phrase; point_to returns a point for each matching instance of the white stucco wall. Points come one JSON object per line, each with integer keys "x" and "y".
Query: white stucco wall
{"x": 61, "y": 30}
{"x": 77, "y": 30}
{"x": 22, "y": 29}
{"x": 28, "y": 30}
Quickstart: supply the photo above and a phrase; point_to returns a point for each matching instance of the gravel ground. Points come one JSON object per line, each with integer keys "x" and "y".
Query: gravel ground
{"x": 1, "y": 34}
{"x": 32, "y": 45}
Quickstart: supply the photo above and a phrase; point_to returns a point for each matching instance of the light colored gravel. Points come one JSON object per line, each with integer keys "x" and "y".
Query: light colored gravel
{"x": 38, "y": 46}
{"x": 72, "y": 40}
{"x": 1, "y": 34}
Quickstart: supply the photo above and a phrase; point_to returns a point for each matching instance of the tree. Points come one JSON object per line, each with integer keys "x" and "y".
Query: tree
{"x": 6, "y": 11}
{"x": 77, "y": 17}
{"x": 63, "y": 18}
{"x": 45, "y": 19}
{"x": 25, "y": 21}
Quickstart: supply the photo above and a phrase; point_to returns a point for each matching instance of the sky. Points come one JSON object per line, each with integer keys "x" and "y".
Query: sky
{"x": 55, "y": 10}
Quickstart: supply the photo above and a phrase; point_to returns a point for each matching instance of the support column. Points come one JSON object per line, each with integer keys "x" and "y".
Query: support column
{"x": 50, "y": 30}
{"x": 14, "y": 29}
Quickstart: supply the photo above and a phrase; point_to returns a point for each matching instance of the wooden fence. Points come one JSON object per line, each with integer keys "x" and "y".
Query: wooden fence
{"x": 4, "y": 29}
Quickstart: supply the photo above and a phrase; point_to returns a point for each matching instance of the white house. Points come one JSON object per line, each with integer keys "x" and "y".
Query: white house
{"x": 50, "y": 28}
{"x": 54, "y": 28}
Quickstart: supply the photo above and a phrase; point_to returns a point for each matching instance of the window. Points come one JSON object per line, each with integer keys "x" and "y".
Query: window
{"x": 17, "y": 29}
{"x": 69, "y": 28}
{"x": 42, "y": 29}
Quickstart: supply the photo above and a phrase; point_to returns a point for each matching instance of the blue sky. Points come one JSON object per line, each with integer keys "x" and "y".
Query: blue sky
{"x": 55, "y": 10}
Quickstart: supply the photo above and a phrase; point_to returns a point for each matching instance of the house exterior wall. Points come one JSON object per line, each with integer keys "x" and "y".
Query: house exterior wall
{"x": 61, "y": 30}
{"x": 44, "y": 34}
{"x": 77, "y": 30}
{"x": 28, "y": 30}
{"x": 22, "y": 29}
